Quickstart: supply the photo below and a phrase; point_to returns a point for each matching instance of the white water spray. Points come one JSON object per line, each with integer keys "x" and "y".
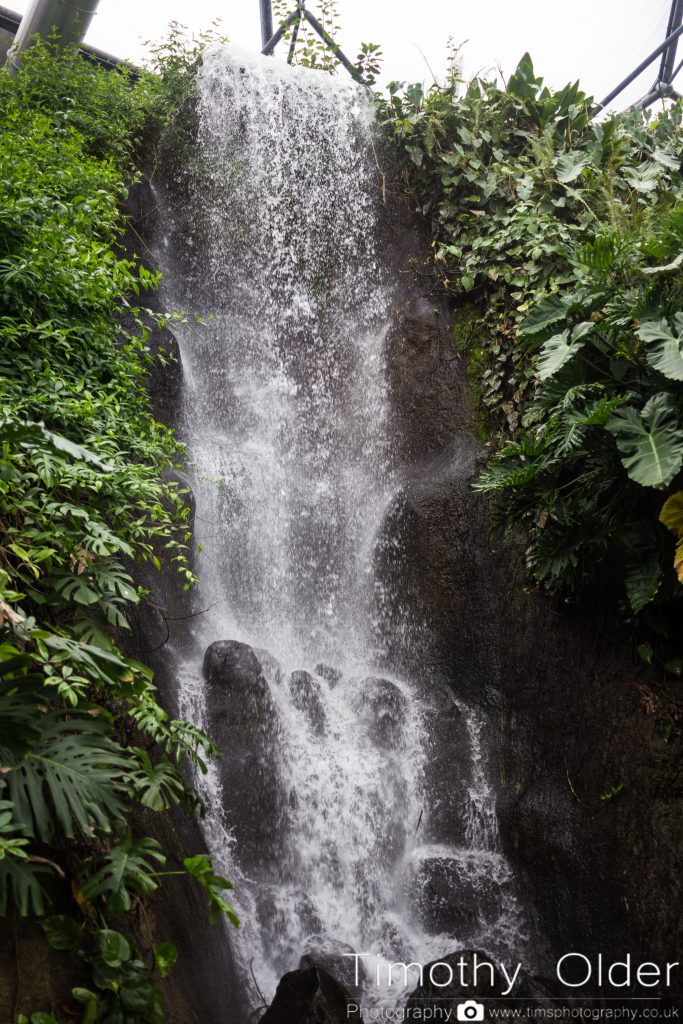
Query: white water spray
{"x": 285, "y": 412}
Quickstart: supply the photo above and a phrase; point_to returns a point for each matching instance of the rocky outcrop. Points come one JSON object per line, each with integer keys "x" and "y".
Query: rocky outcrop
{"x": 244, "y": 723}
{"x": 308, "y": 996}
{"x": 466, "y": 974}
{"x": 381, "y": 707}
{"x": 458, "y": 894}
{"x": 590, "y": 786}
{"x": 332, "y": 956}
{"x": 306, "y": 697}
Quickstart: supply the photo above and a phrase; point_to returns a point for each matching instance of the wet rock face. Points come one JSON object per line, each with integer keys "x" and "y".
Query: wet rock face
{"x": 332, "y": 956}
{"x": 457, "y": 895}
{"x": 327, "y": 672}
{"x": 449, "y": 772}
{"x": 236, "y": 679}
{"x": 271, "y": 667}
{"x": 380, "y": 704}
{"x": 308, "y": 996}
{"x": 244, "y": 724}
{"x": 307, "y": 697}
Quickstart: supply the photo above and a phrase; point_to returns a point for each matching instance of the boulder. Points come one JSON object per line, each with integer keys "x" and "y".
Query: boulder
{"x": 380, "y": 704}
{"x": 271, "y": 667}
{"x": 307, "y": 697}
{"x": 332, "y": 956}
{"x": 487, "y": 983}
{"x": 238, "y": 693}
{"x": 456, "y": 894}
{"x": 308, "y": 996}
{"x": 245, "y": 725}
{"x": 328, "y": 673}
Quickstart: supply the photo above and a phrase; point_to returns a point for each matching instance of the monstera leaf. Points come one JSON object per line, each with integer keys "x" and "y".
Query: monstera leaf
{"x": 672, "y": 517}
{"x": 20, "y": 888}
{"x": 20, "y": 703}
{"x": 650, "y": 442}
{"x": 664, "y": 346}
{"x": 73, "y": 778}
{"x": 643, "y": 576}
{"x": 127, "y": 868}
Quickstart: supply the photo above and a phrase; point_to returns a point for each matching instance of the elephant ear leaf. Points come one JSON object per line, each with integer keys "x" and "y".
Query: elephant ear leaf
{"x": 650, "y": 442}
{"x": 569, "y": 166}
{"x": 664, "y": 350}
{"x": 672, "y": 517}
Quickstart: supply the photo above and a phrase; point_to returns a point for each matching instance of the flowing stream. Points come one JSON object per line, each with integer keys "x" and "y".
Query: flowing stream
{"x": 286, "y": 416}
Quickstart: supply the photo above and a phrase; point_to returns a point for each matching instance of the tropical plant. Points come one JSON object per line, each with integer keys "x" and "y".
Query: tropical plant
{"x": 83, "y": 739}
{"x": 560, "y": 239}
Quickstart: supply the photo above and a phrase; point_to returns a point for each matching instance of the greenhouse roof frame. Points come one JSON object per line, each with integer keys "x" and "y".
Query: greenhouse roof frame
{"x": 663, "y": 86}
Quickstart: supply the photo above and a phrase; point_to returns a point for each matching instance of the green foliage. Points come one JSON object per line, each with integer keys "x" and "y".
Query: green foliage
{"x": 201, "y": 869}
{"x": 565, "y": 238}
{"x": 81, "y": 502}
{"x": 174, "y": 63}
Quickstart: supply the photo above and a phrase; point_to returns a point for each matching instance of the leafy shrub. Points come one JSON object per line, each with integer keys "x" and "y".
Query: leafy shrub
{"x": 81, "y": 499}
{"x": 562, "y": 240}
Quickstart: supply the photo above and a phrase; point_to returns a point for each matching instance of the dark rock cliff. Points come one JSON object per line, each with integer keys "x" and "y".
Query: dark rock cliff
{"x": 571, "y": 713}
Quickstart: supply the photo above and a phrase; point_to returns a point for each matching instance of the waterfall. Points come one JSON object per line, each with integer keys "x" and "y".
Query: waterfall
{"x": 286, "y": 417}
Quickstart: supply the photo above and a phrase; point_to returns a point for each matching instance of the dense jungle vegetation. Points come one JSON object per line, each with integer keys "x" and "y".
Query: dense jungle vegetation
{"x": 560, "y": 239}
{"x": 83, "y": 739}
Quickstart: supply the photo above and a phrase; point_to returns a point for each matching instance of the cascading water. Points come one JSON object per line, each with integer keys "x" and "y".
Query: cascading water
{"x": 285, "y": 413}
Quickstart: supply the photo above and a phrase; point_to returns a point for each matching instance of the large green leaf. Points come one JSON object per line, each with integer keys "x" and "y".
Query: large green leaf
{"x": 643, "y": 577}
{"x": 569, "y": 166}
{"x": 555, "y": 352}
{"x": 201, "y": 869}
{"x": 664, "y": 347}
{"x": 129, "y": 867}
{"x": 160, "y": 786}
{"x": 20, "y": 703}
{"x": 20, "y": 888}
{"x": 75, "y": 778}
{"x": 543, "y": 315}
{"x": 650, "y": 442}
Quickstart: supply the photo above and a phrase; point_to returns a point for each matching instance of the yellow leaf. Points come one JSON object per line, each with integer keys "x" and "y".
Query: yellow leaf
{"x": 672, "y": 517}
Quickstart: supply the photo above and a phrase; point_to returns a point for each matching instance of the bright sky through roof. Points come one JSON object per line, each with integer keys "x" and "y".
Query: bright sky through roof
{"x": 597, "y": 41}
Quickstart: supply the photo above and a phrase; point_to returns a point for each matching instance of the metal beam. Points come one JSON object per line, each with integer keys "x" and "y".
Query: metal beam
{"x": 296, "y": 16}
{"x": 643, "y": 66}
{"x": 69, "y": 20}
{"x": 669, "y": 55}
{"x": 10, "y": 21}
{"x": 266, "y": 8}
{"x": 271, "y": 43}
{"x": 329, "y": 41}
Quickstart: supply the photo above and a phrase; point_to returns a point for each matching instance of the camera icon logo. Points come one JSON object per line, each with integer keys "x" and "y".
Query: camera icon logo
{"x": 470, "y": 1011}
